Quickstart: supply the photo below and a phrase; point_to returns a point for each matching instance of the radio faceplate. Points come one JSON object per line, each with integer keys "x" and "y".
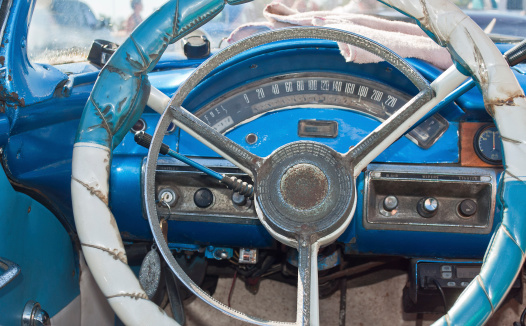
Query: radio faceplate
{"x": 429, "y": 198}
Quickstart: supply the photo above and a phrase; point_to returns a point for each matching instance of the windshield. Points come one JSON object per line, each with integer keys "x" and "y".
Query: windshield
{"x": 62, "y": 31}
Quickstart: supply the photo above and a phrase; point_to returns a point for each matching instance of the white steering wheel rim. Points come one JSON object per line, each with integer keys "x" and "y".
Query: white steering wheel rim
{"x": 503, "y": 96}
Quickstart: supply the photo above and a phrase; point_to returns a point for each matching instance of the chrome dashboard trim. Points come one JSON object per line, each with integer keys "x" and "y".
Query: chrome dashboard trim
{"x": 433, "y": 175}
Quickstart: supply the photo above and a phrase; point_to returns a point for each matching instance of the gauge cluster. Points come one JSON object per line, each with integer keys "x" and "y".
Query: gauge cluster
{"x": 321, "y": 90}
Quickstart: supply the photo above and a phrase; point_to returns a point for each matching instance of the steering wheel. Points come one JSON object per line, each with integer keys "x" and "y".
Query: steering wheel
{"x": 122, "y": 90}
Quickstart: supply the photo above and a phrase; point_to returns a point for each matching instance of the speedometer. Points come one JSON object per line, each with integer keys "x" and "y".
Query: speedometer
{"x": 315, "y": 90}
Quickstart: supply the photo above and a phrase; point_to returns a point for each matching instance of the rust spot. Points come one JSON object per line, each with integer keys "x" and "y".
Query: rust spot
{"x": 2, "y": 60}
{"x": 121, "y": 103}
{"x": 117, "y": 71}
{"x": 113, "y": 223}
{"x": 135, "y": 296}
{"x": 101, "y": 115}
{"x": 491, "y": 106}
{"x": 17, "y": 98}
{"x": 93, "y": 191}
{"x": 115, "y": 253}
{"x": 304, "y": 186}
{"x": 10, "y": 78}
{"x": 29, "y": 209}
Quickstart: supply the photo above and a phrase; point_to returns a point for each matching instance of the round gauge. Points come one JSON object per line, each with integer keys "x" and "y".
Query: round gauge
{"x": 488, "y": 144}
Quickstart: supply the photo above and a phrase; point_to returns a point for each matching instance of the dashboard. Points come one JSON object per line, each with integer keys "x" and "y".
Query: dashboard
{"x": 267, "y": 97}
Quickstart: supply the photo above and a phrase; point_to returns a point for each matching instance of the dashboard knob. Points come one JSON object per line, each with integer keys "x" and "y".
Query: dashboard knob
{"x": 196, "y": 47}
{"x": 427, "y": 207}
{"x": 203, "y": 198}
{"x": 467, "y": 208}
{"x": 390, "y": 203}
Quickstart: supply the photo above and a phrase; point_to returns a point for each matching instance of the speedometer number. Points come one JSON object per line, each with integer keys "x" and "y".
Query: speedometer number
{"x": 362, "y": 91}
{"x": 377, "y": 95}
{"x": 391, "y": 101}
{"x": 261, "y": 93}
{"x": 337, "y": 86}
{"x": 349, "y": 88}
{"x": 300, "y": 85}
{"x": 313, "y": 85}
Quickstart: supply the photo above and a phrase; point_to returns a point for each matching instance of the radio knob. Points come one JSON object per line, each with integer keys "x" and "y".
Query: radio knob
{"x": 427, "y": 207}
{"x": 390, "y": 203}
{"x": 467, "y": 208}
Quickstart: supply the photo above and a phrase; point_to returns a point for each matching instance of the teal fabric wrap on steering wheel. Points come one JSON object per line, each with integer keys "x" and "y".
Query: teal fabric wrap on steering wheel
{"x": 122, "y": 88}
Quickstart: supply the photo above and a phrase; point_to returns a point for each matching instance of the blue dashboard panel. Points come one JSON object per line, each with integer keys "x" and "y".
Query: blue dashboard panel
{"x": 38, "y": 153}
{"x": 352, "y": 128}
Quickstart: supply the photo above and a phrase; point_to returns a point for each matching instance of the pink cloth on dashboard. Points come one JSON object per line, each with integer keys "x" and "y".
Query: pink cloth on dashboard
{"x": 406, "y": 39}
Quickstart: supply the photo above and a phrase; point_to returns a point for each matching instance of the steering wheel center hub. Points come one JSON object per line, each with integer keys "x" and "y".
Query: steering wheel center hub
{"x": 304, "y": 186}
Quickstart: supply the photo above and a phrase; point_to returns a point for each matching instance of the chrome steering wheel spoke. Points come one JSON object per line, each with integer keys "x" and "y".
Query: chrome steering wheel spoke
{"x": 308, "y": 309}
{"x": 399, "y": 123}
{"x": 216, "y": 141}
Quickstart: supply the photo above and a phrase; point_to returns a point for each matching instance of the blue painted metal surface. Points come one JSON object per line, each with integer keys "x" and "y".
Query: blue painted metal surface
{"x": 352, "y": 127}
{"x": 212, "y": 252}
{"x": 32, "y": 237}
{"x": 21, "y": 82}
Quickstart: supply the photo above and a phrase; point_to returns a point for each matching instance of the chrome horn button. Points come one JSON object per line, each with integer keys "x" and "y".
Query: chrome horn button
{"x": 304, "y": 188}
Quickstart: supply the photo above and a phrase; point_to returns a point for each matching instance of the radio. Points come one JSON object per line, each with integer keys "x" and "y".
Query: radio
{"x": 429, "y": 198}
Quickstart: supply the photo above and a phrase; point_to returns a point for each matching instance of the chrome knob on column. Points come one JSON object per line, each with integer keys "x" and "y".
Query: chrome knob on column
{"x": 34, "y": 315}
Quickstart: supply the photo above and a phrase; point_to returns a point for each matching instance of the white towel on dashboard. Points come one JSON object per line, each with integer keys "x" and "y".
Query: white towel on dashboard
{"x": 406, "y": 39}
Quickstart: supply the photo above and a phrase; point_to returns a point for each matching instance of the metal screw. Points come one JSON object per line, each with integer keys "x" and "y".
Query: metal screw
{"x": 251, "y": 138}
